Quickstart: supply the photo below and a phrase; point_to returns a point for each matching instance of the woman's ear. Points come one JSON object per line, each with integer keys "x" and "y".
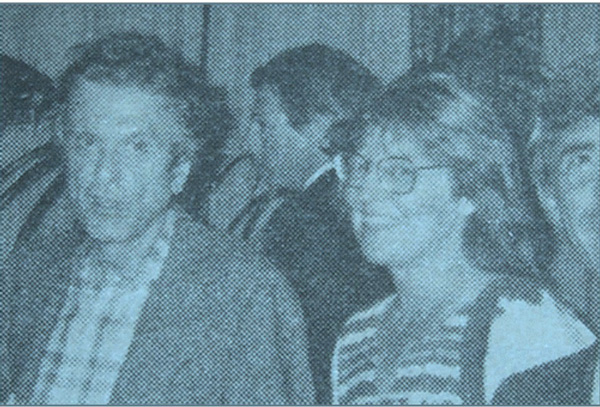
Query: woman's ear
{"x": 180, "y": 174}
{"x": 465, "y": 206}
{"x": 549, "y": 204}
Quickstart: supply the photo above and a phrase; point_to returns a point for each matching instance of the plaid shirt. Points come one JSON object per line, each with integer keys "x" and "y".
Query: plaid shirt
{"x": 95, "y": 328}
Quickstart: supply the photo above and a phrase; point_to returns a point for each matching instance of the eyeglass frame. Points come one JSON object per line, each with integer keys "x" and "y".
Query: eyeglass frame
{"x": 414, "y": 172}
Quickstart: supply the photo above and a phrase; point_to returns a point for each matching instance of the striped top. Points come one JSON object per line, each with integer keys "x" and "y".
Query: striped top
{"x": 422, "y": 372}
{"x": 467, "y": 356}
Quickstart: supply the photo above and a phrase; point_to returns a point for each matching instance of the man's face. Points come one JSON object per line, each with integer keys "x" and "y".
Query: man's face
{"x": 121, "y": 173}
{"x": 577, "y": 195}
{"x": 288, "y": 156}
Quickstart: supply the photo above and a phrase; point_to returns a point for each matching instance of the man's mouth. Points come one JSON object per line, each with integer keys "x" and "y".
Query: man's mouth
{"x": 377, "y": 219}
{"x": 107, "y": 208}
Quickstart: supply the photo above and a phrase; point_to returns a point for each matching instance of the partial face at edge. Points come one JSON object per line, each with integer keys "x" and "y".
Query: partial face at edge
{"x": 577, "y": 192}
{"x": 121, "y": 172}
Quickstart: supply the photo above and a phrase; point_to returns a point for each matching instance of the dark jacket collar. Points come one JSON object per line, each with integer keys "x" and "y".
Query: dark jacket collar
{"x": 577, "y": 284}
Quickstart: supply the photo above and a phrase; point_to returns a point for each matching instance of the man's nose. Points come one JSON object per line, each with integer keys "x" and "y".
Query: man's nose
{"x": 254, "y": 138}
{"x": 108, "y": 169}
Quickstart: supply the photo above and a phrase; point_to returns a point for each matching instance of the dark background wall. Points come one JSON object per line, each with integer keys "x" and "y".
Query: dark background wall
{"x": 239, "y": 37}
{"x": 570, "y": 31}
{"x": 242, "y": 36}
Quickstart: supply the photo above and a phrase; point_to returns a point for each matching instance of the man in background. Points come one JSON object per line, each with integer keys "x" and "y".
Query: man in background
{"x": 298, "y": 215}
{"x": 566, "y": 171}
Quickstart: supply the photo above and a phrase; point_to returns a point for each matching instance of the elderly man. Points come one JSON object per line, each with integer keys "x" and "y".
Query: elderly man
{"x": 566, "y": 171}
{"x": 138, "y": 304}
{"x": 299, "y": 94}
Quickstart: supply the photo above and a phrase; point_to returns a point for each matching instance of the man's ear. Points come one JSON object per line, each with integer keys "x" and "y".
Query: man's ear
{"x": 315, "y": 131}
{"x": 180, "y": 174}
{"x": 549, "y": 204}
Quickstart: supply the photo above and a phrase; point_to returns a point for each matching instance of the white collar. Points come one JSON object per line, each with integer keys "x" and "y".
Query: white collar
{"x": 527, "y": 335}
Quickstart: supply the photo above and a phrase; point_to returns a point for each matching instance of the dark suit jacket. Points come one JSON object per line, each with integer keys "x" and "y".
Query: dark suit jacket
{"x": 310, "y": 238}
{"x": 220, "y": 326}
{"x": 567, "y": 381}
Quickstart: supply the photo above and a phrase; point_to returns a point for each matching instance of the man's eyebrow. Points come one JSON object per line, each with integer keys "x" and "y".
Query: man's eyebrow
{"x": 142, "y": 134}
{"x": 576, "y": 148}
{"x": 404, "y": 157}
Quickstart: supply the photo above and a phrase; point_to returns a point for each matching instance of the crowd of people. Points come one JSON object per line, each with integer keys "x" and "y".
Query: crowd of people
{"x": 354, "y": 260}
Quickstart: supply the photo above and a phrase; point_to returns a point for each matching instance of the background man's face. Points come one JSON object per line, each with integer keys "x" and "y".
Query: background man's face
{"x": 578, "y": 181}
{"x": 118, "y": 142}
{"x": 288, "y": 156}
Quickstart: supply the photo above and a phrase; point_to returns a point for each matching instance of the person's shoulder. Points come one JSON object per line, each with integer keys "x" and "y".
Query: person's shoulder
{"x": 529, "y": 308}
{"x": 326, "y": 182}
{"x": 501, "y": 289}
{"x": 530, "y": 328}
{"x": 322, "y": 194}
{"x": 309, "y": 227}
{"x": 541, "y": 316}
{"x": 217, "y": 280}
{"x": 227, "y": 259}
{"x": 234, "y": 187}
{"x": 41, "y": 252}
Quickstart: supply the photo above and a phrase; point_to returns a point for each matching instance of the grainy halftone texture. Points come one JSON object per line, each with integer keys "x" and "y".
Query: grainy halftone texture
{"x": 267, "y": 294}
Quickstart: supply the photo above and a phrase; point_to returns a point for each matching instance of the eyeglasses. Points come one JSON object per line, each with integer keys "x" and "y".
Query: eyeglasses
{"x": 398, "y": 172}
{"x": 580, "y": 163}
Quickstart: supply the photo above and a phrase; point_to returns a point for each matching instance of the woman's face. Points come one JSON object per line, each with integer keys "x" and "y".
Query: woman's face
{"x": 400, "y": 213}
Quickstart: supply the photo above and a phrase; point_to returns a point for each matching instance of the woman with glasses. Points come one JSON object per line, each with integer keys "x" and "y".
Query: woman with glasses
{"x": 426, "y": 176}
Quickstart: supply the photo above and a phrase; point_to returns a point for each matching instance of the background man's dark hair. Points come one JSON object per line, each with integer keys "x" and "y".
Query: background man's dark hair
{"x": 26, "y": 92}
{"x": 144, "y": 61}
{"x": 571, "y": 96}
{"x": 316, "y": 79}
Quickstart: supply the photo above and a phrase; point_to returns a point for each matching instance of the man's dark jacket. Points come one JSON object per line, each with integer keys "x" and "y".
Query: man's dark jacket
{"x": 310, "y": 238}
{"x": 219, "y": 326}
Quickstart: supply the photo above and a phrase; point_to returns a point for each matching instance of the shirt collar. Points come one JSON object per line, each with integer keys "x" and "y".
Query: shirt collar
{"x": 334, "y": 164}
{"x": 149, "y": 253}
